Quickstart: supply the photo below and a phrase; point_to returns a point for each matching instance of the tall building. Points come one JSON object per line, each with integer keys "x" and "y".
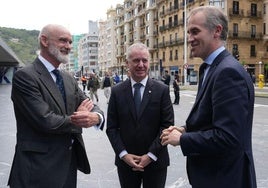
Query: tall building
{"x": 107, "y": 44}
{"x": 160, "y": 24}
{"x": 88, "y": 49}
{"x": 73, "y": 65}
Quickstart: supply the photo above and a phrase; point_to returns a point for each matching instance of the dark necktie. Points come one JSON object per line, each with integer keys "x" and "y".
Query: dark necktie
{"x": 137, "y": 96}
{"x": 201, "y": 74}
{"x": 60, "y": 84}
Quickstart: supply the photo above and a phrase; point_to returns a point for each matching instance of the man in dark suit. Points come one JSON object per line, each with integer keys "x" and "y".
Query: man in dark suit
{"x": 134, "y": 129}
{"x": 50, "y": 146}
{"x": 218, "y": 132}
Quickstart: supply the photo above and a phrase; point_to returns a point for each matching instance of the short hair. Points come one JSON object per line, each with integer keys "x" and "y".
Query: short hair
{"x": 214, "y": 16}
{"x": 138, "y": 45}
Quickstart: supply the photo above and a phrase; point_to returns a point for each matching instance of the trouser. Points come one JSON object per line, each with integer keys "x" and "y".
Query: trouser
{"x": 107, "y": 93}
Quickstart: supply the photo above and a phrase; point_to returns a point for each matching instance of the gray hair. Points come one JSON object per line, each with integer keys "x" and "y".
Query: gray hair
{"x": 214, "y": 16}
{"x": 135, "y": 46}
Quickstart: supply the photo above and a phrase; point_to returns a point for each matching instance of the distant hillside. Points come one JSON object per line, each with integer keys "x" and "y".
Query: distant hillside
{"x": 23, "y": 42}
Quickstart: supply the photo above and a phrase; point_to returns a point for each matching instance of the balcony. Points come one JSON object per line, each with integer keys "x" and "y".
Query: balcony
{"x": 244, "y": 35}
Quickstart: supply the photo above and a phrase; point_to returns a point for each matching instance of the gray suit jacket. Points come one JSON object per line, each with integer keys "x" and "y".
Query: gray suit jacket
{"x": 218, "y": 138}
{"x": 140, "y": 134}
{"x": 45, "y": 133}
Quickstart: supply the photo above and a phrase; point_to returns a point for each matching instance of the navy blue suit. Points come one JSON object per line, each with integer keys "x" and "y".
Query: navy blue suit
{"x": 140, "y": 134}
{"x": 217, "y": 141}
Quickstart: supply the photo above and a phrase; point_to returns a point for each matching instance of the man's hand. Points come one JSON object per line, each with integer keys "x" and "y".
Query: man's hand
{"x": 133, "y": 161}
{"x": 86, "y": 105}
{"x": 85, "y": 119}
{"x": 145, "y": 160}
{"x": 171, "y": 135}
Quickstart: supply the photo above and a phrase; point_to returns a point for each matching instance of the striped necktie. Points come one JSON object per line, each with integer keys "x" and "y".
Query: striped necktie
{"x": 60, "y": 84}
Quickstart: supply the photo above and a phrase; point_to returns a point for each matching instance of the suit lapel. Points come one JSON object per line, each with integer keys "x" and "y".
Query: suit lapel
{"x": 49, "y": 83}
{"x": 213, "y": 66}
{"x": 129, "y": 98}
{"x": 146, "y": 96}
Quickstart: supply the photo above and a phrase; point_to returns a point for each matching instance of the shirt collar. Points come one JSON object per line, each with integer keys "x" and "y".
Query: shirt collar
{"x": 143, "y": 82}
{"x": 209, "y": 60}
{"x": 46, "y": 63}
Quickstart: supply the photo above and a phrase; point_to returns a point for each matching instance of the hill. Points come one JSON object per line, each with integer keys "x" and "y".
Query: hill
{"x": 23, "y": 42}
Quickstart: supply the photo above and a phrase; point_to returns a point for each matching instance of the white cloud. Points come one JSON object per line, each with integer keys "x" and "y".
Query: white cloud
{"x": 34, "y": 14}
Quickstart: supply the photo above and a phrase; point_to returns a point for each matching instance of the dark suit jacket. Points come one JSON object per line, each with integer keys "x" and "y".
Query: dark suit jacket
{"x": 219, "y": 127}
{"x": 139, "y": 135}
{"x": 44, "y": 130}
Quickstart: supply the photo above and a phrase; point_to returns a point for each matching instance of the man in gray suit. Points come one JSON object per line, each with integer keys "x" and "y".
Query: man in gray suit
{"x": 134, "y": 124}
{"x": 50, "y": 146}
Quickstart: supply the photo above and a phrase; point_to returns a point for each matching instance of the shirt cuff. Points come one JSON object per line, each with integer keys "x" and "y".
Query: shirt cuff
{"x": 152, "y": 156}
{"x": 97, "y": 127}
{"x": 122, "y": 154}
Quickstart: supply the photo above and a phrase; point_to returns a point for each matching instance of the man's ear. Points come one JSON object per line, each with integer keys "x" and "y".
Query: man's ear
{"x": 218, "y": 31}
{"x": 44, "y": 40}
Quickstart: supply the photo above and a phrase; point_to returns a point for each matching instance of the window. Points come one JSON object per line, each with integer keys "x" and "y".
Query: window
{"x": 253, "y": 9}
{"x": 235, "y": 49}
{"x": 252, "y": 51}
{"x": 170, "y": 55}
{"x": 253, "y": 31}
{"x": 235, "y": 29}
{"x": 235, "y": 7}
{"x": 176, "y": 55}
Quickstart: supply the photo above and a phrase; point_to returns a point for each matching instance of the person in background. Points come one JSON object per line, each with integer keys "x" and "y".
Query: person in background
{"x": 134, "y": 128}
{"x": 166, "y": 78}
{"x": 116, "y": 78}
{"x": 84, "y": 82}
{"x": 106, "y": 84}
{"x": 50, "y": 111}
{"x": 217, "y": 137}
{"x": 176, "y": 87}
{"x": 93, "y": 86}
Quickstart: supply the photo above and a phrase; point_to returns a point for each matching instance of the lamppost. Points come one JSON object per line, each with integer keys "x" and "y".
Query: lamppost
{"x": 185, "y": 44}
{"x": 260, "y": 67}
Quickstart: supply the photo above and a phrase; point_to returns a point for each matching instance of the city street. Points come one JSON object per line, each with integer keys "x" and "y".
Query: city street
{"x": 101, "y": 156}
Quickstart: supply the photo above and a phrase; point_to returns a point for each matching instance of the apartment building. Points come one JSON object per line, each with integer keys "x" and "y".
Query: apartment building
{"x": 160, "y": 24}
{"x": 107, "y": 44}
{"x": 88, "y": 49}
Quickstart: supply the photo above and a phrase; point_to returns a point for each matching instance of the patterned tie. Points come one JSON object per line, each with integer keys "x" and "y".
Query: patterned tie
{"x": 137, "y": 97}
{"x": 60, "y": 84}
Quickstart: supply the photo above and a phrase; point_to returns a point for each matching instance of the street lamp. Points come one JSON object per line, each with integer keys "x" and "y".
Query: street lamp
{"x": 185, "y": 44}
{"x": 260, "y": 67}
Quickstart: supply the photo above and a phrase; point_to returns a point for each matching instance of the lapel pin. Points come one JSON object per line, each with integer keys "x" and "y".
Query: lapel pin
{"x": 150, "y": 91}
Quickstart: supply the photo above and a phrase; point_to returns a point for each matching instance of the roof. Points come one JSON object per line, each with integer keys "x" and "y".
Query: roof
{"x": 7, "y": 56}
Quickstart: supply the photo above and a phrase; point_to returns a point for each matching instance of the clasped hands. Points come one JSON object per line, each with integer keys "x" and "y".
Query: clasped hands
{"x": 138, "y": 163}
{"x": 83, "y": 117}
{"x": 171, "y": 135}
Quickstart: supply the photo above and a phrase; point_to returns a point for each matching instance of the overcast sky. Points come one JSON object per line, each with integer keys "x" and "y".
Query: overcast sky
{"x": 34, "y": 14}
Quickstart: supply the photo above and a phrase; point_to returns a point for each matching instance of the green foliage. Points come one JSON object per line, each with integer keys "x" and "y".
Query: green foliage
{"x": 23, "y": 42}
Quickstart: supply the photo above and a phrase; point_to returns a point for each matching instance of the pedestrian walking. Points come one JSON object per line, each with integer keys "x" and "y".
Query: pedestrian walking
{"x": 176, "y": 87}
{"x": 106, "y": 84}
{"x": 93, "y": 86}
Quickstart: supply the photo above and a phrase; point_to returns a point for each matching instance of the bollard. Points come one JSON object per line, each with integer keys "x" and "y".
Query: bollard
{"x": 261, "y": 81}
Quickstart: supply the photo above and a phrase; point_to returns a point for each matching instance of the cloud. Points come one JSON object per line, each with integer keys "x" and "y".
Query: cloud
{"x": 32, "y": 14}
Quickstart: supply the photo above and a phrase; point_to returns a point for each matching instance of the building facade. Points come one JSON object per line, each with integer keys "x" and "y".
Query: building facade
{"x": 160, "y": 24}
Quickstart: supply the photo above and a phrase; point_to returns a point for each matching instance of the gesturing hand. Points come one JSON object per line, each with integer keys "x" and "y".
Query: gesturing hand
{"x": 171, "y": 135}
